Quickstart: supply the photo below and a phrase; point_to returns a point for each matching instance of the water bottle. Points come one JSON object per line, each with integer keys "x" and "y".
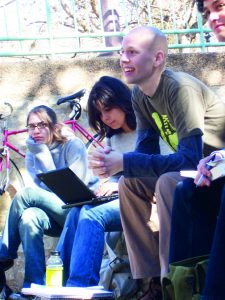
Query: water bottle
{"x": 54, "y": 270}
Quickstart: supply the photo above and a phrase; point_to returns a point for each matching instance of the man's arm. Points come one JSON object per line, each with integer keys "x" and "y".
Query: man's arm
{"x": 188, "y": 154}
{"x": 105, "y": 162}
{"x": 147, "y": 141}
{"x": 134, "y": 164}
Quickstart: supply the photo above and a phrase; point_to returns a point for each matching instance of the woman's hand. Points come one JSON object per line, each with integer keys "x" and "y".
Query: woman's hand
{"x": 35, "y": 147}
{"x": 107, "y": 188}
{"x": 105, "y": 162}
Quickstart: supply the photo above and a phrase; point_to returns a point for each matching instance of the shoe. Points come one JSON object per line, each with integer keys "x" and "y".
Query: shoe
{"x": 154, "y": 291}
{"x": 20, "y": 296}
{"x": 5, "y": 292}
{"x": 6, "y": 264}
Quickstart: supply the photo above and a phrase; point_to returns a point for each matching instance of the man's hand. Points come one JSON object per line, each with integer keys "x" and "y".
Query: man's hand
{"x": 105, "y": 162}
{"x": 204, "y": 172}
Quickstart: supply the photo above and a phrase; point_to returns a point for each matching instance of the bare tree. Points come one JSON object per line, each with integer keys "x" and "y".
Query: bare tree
{"x": 71, "y": 17}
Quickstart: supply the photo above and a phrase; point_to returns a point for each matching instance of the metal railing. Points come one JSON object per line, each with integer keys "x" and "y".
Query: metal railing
{"x": 66, "y": 28}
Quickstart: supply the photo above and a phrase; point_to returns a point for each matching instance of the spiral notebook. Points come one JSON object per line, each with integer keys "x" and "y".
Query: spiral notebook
{"x": 71, "y": 189}
{"x": 72, "y": 293}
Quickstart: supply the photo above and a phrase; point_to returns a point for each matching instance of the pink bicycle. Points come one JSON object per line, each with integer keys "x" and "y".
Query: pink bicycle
{"x": 10, "y": 174}
{"x": 8, "y": 169}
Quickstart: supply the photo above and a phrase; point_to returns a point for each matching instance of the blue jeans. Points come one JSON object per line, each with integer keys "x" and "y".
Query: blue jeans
{"x": 81, "y": 243}
{"x": 215, "y": 278}
{"x": 198, "y": 228}
{"x": 194, "y": 217}
{"x": 33, "y": 213}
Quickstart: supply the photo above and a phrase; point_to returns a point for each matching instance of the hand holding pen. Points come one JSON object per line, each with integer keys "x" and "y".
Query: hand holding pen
{"x": 203, "y": 176}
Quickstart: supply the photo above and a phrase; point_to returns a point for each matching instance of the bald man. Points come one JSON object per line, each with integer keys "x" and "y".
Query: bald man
{"x": 182, "y": 111}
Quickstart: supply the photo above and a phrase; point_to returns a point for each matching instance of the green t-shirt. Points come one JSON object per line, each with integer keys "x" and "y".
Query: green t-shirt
{"x": 182, "y": 106}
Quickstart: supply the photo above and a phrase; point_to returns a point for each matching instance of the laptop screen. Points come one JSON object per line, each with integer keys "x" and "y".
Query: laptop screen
{"x": 67, "y": 185}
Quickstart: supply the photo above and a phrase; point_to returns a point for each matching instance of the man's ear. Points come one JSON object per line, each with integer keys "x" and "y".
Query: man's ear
{"x": 159, "y": 58}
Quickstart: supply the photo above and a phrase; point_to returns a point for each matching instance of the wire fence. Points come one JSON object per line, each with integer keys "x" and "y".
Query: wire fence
{"x": 65, "y": 28}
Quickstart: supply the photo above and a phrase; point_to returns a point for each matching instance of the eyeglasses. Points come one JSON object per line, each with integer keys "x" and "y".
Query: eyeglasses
{"x": 40, "y": 125}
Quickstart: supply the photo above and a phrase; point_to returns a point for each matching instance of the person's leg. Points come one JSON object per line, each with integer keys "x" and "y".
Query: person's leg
{"x": 88, "y": 245}
{"x": 136, "y": 196}
{"x": 20, "y": 227}
{"x": 165, "y": 188}
{"x": 33, "y": 224}
{"x": 66, "y": 240}
{"x": 28, "y": 197}
{"x": 193, "y": 219}
{"x": 215, "y": 278}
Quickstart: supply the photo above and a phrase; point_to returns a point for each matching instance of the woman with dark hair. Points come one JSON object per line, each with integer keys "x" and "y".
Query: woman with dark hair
{"x": 82, "y": 241}
{"x": 110, "y": 93}
{"x": 36, "y": 211}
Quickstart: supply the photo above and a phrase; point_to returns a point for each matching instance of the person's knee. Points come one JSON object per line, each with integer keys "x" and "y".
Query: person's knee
{"x": 31, "y": 219}
{"x": 121, "y": 182}
{"x": 183, "y": 195}
{"x": 74, "y": 214}
{"x": 89, "y": 218}
{"x": 186, "y": 188}
{"x": 123, "y": 187}
{"x": 88, "y": 214}
{"x": 128, "y": 184}
{"x": 24, "y": 195}
{"x": 166, "y": 180}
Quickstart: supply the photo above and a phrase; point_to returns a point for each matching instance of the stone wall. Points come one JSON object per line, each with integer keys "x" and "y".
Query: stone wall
{"x": 29, "y": 83}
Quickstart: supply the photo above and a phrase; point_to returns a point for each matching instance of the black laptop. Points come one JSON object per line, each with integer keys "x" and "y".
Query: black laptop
{"x": 71, "y": 189}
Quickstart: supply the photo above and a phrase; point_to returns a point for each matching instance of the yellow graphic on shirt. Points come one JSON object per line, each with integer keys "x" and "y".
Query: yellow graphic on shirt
{"x": 167, "y": 131}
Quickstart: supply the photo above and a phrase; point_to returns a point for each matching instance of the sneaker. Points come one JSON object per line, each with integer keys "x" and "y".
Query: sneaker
{"x": 5, "y": 292}
{"x": 20, "y": 296}
{"x": 154, "y": 291}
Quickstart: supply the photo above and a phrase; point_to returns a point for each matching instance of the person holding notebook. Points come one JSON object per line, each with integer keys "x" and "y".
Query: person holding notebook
{"x": 198, "y": 218}
{"x": 35, "y": 210}
{"x": 81, "y": 243}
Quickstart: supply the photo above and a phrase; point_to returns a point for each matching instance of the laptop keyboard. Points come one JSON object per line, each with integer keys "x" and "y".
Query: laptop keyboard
{"x": 93, "y": 201}
{"x": 106, "y": 198}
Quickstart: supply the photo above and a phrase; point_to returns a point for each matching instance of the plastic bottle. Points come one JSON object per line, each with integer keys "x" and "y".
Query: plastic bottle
{"x": 54, "y": 270}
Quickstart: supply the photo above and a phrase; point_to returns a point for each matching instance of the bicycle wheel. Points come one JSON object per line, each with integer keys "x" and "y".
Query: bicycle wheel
{"x": 15, "y": 178}
{"x": 7, "y": 193}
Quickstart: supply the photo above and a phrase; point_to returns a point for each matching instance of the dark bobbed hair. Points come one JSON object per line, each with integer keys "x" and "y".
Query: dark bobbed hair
{"x": 111, "y": 93}
{"x": 200, "y": 5}
{"x": 48, "y": 116}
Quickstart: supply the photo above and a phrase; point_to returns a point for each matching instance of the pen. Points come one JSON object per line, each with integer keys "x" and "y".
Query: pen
{"x": 208, "y": 167}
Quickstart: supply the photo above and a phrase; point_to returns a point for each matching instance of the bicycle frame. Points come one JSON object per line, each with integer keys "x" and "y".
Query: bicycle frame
{"x": 4, "y": 154}
{"x": 7, "y": 146}
{"x": 83, "y": 131}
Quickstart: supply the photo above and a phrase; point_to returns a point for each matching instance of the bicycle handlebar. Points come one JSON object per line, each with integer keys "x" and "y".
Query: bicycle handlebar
{"x": 77, "y": 95}
{"x": 4, "y": 116}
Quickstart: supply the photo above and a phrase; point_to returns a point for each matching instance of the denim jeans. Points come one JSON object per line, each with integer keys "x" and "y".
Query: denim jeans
{"x": 215, "y": 278}
{"x": 194, "y": 217}
{"x": 81, "y": 243}
{"x": 33, "y": 213}
{"x": 198, "y": 227}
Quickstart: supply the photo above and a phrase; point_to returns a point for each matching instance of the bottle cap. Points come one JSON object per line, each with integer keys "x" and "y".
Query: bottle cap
{"x": 57, "y": 253}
